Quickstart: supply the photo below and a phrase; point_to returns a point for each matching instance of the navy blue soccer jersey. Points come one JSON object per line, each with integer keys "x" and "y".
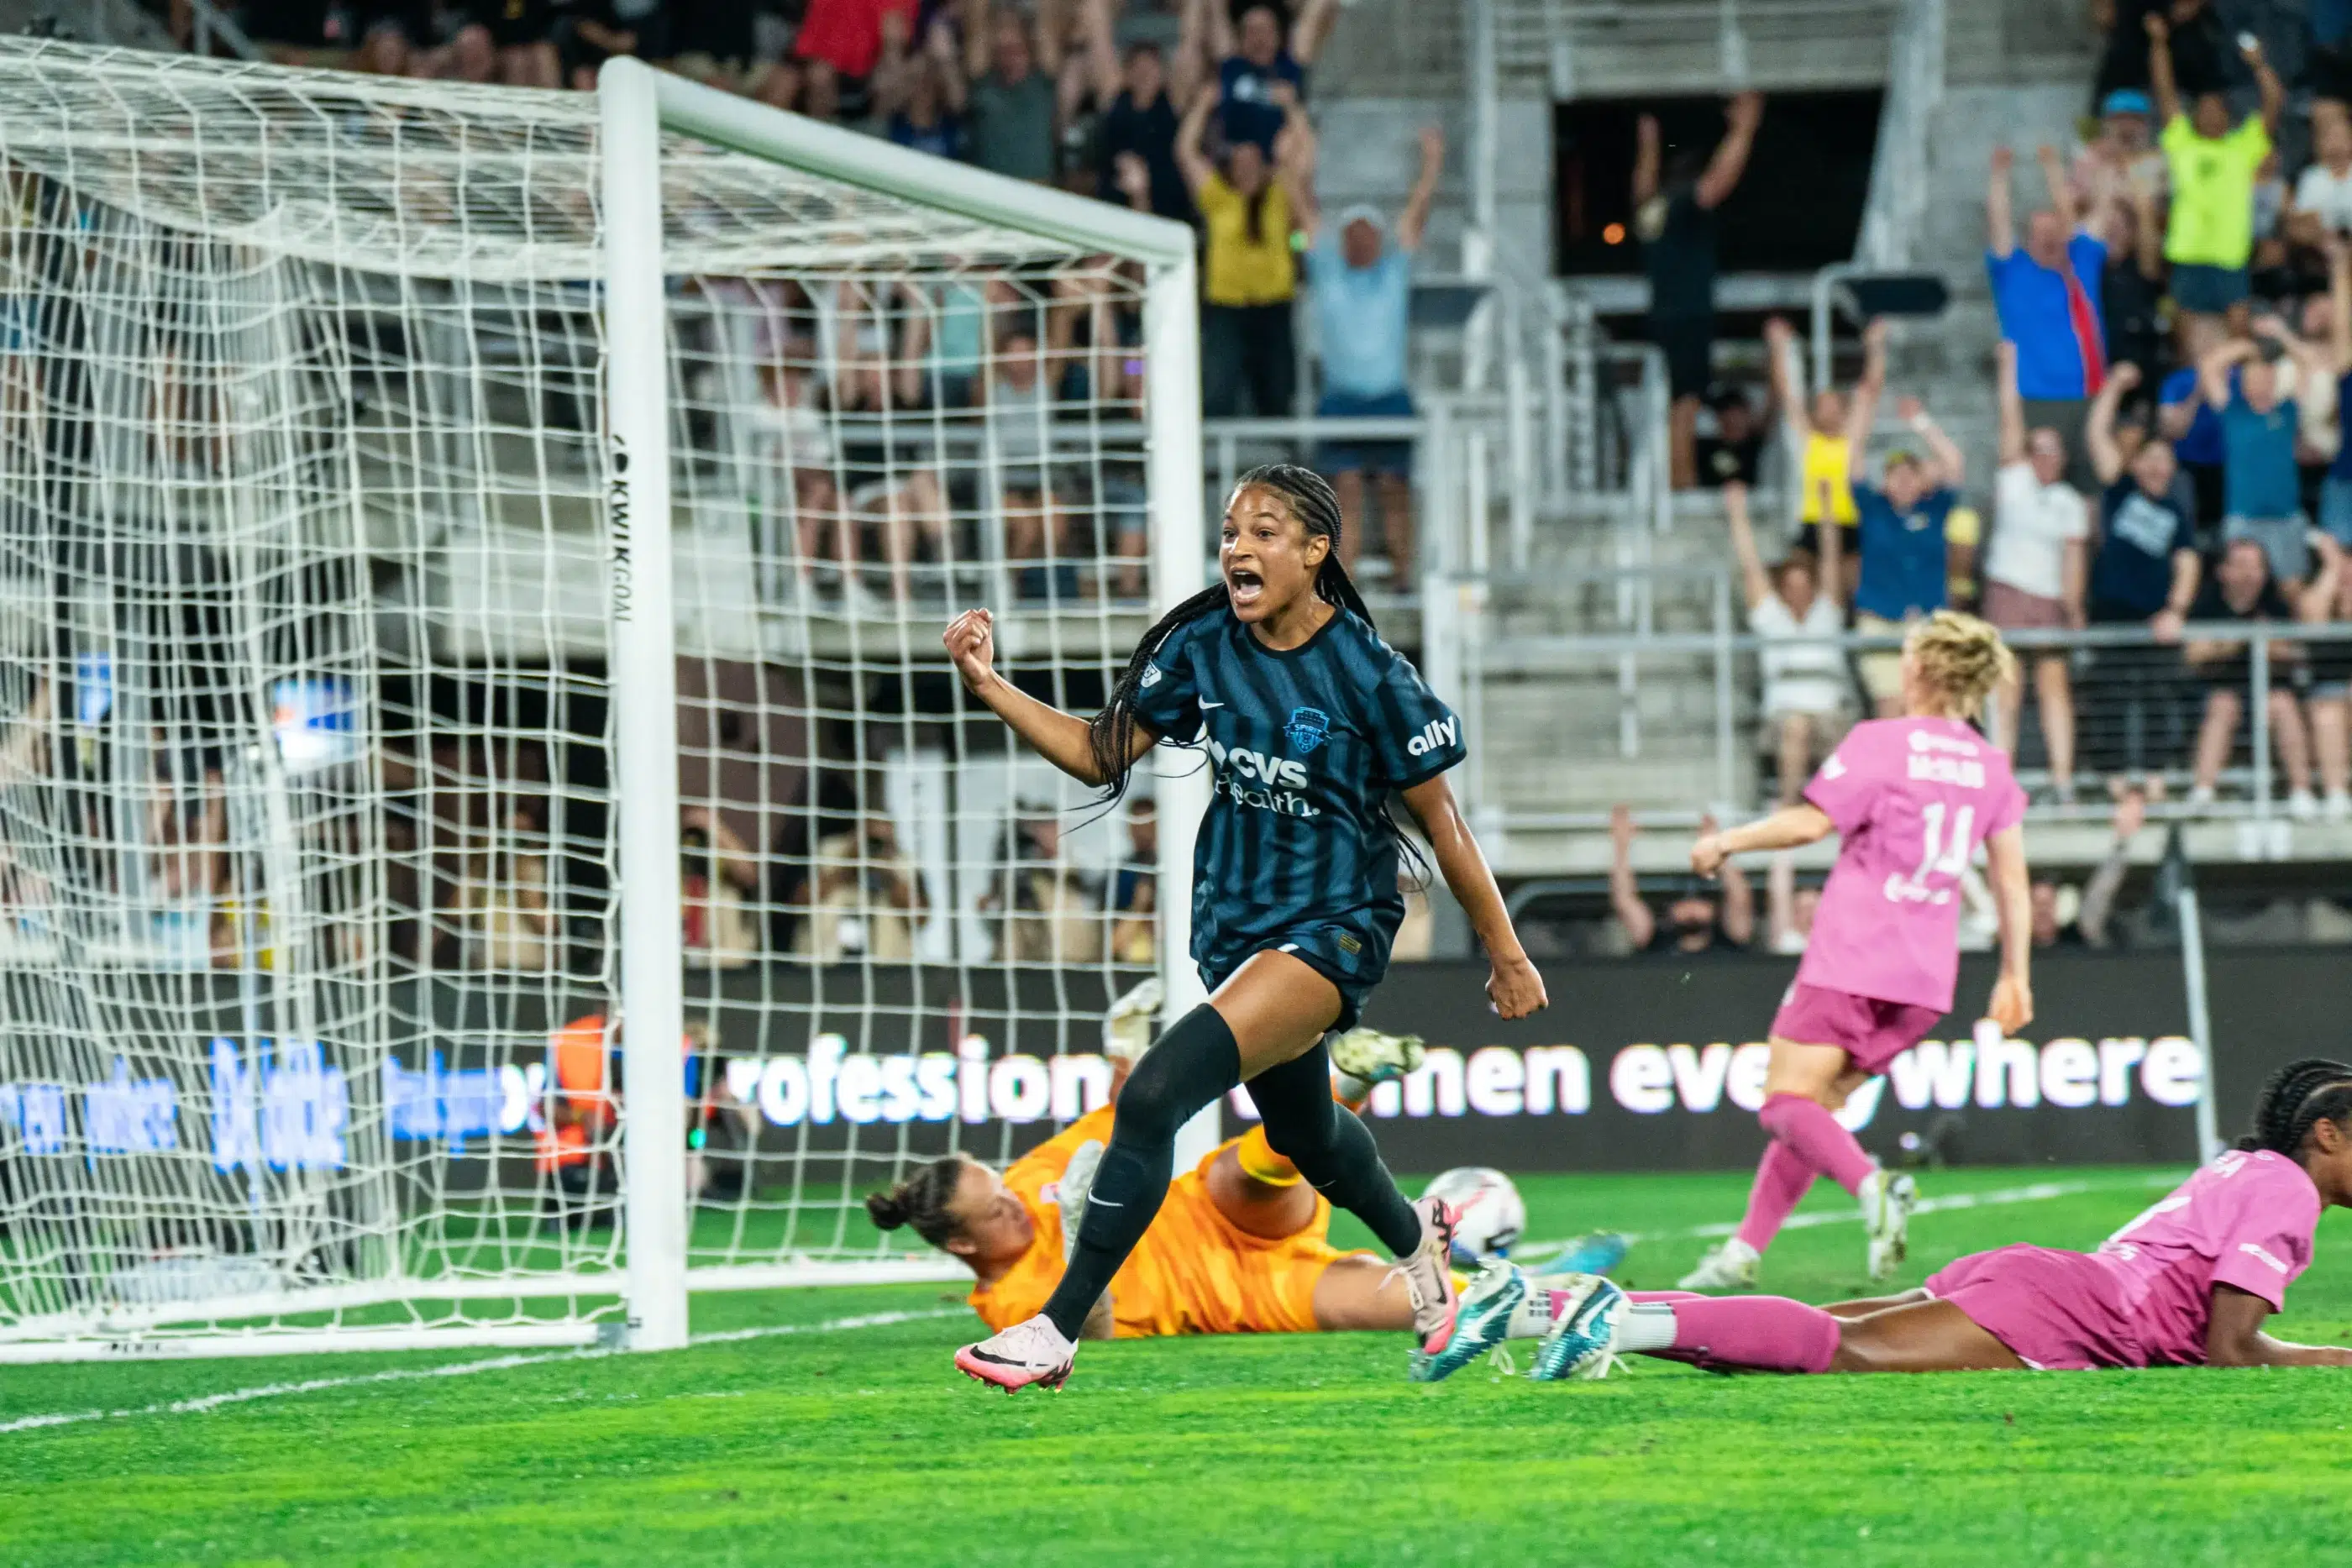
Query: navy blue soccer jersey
{"x": 1306, "y": 744}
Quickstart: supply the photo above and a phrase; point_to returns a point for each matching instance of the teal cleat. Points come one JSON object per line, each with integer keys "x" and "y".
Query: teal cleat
{"x": 1482, "y": 1322}
{"x": 1598, "y": 1253}
{"x": 1583, "y": 1341}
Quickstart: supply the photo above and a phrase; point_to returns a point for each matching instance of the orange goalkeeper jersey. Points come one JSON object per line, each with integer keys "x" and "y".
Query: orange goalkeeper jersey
{"x": 1193, "y": 1272}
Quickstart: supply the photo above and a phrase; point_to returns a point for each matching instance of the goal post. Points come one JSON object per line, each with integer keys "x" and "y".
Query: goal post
{"x": 469, "y": 620}
{"x": 637, "y": 105}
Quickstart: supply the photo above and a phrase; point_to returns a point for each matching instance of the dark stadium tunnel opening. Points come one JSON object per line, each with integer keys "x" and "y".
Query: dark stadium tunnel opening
{"x": 1797, "y": 208}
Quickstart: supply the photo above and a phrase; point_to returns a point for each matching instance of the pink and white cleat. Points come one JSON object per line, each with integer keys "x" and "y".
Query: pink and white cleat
{"x": 1032, "y": 1351}
{"x": 1428, "y": 1275}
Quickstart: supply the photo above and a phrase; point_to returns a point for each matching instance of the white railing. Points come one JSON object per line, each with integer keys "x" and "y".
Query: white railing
{"x": 1766, "y": 43}
{"x": 2138, "y": 707}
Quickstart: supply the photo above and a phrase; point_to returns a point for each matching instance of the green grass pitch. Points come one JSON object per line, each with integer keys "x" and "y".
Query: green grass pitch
{"x": 856, "y": 1442}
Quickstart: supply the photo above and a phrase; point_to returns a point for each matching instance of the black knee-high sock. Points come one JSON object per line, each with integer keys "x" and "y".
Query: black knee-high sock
{"x": 1187, "y": 1067}
{"x": 1332, "y": 1147}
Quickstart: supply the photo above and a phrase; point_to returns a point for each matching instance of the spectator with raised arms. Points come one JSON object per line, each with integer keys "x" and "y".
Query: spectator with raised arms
{"x": 1905, "y": 545}
{"x": 1821, "y": 447}
{"x": 1255, "y": 62}
{"x": 2213, "y": 166}
{"x": 1363, "y": 301}
{"x": 1674, "y": 204}
{"x": 1139, "y": 94}
{"x": 2261, "y": 485}
{"x": 1798, "y": 612}
{"x": 2034, "y": 573}
{"x": 2145, "y": 572}
{"x": 1694, "y": 923}
{"x": 918, "y": 98}
{"x": 1249, "y": 274}
{"x": 1014, "y": 101}
{"x": 2048, "y": 295}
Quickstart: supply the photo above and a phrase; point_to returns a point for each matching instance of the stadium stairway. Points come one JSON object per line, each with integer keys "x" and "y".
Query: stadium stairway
{"x": 1566, "y": 736}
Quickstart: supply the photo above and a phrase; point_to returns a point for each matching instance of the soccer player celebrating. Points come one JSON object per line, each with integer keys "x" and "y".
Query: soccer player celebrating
{"x": 2186, "y": 1284}
{"x": 1911, "y": 797}
{"x": 1310, "y": 722}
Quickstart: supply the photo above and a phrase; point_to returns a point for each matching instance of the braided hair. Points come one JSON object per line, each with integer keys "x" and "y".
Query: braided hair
{"x": 2299, "y": 1095}
{"x": 922, "y": 1201}
{"x": 1313, "y": 501}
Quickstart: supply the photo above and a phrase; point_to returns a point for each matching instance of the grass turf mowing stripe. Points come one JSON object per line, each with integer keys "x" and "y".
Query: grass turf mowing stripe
{"x": 202, "y": 1402}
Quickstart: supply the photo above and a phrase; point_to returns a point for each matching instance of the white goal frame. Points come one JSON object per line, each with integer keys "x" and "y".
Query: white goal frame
{"x": 636, "y": 1293}
{"x": 636, "y": 105}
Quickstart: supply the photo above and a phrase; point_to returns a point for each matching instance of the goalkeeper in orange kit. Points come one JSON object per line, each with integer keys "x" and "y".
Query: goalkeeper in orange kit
{"x": 1240, "y": 1247}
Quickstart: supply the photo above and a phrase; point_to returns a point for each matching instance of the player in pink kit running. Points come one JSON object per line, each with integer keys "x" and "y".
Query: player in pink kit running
{"x": 2188, "y": 1283}
{"x": 1911, "y": 797}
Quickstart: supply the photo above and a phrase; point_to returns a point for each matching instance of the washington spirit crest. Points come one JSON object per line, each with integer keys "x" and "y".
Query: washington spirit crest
{"x": 1308, "y": 727}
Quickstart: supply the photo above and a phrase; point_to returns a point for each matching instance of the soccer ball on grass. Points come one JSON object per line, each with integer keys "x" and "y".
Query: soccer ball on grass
{"x": 1490, "y": 1214}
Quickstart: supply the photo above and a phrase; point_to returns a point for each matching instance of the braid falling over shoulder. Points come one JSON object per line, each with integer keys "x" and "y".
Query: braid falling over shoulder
{"x": 1111, "y": 732}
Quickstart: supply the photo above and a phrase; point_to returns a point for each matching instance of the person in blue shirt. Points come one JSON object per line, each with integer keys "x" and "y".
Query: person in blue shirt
{"x": 2047, "y": 292}
{"x": 1311, "y": 724}
{"x": 2262, "y": 487}
{"x": 1363, "y": 297}
{"x": 1901, "y": 529}
{"x": 918, "y": 99}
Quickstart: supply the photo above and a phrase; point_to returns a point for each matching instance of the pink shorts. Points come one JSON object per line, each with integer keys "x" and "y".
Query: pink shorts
{"x": 2056, "y": 1312}
{"x": 1871, "y": 1033}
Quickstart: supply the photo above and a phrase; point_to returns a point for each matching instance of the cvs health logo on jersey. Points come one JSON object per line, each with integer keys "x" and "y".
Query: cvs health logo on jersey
{"x": 1435, "y": 736}
{"x": 1260, "y": 779}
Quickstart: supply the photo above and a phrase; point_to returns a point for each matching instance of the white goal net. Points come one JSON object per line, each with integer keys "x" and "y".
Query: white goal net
{"x": 356, "y": 789}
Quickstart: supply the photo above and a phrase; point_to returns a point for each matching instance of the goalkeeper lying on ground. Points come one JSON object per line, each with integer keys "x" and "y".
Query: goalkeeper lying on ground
{"x": 1239, "y": 1248}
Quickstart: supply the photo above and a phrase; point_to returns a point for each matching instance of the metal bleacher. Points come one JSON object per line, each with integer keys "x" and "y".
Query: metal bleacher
{"x": 1586, "y": 619}
{"x": 1594, "y": 619}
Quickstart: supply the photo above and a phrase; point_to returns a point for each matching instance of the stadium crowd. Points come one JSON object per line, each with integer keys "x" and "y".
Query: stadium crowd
{"x": 2175, "y": 330}
{"x": 2175, "y": 320}
{"x": 1192, "y": 110}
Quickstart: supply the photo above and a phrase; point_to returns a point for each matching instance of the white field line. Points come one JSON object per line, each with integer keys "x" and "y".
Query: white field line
{"x": 2038, "y": 1192}
{"x": 205, "y": 1402}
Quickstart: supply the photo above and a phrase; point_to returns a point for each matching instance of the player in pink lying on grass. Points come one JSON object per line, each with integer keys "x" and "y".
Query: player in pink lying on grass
{"x": 1911, "y": 797}
{"x": 2188, "y": 1283}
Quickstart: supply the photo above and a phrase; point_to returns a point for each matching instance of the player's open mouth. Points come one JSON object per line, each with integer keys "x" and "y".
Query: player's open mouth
{"x": 1245, "y": 587}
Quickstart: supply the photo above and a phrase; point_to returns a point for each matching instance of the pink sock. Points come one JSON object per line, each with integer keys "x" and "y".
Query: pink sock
{"x": 1648, "y": 1298}
{"x": 1813, "y": 1136}
{"x": 1767, "y": 1334}
{"x": 1783, "y": 1178}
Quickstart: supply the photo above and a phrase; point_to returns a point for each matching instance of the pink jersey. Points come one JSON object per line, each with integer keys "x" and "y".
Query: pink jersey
{"x": 2246, "y": 1220}
{"x": 1912, "y": 798}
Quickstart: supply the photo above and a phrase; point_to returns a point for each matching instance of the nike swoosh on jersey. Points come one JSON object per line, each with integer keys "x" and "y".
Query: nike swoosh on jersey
{"x": 1212, "y": 705}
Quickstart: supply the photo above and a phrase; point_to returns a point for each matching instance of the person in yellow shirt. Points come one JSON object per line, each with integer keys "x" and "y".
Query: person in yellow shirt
{"x": 2210, "y": 233}
{"x": 1824, "y": 452}
{"x": 1250, "y": 273}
